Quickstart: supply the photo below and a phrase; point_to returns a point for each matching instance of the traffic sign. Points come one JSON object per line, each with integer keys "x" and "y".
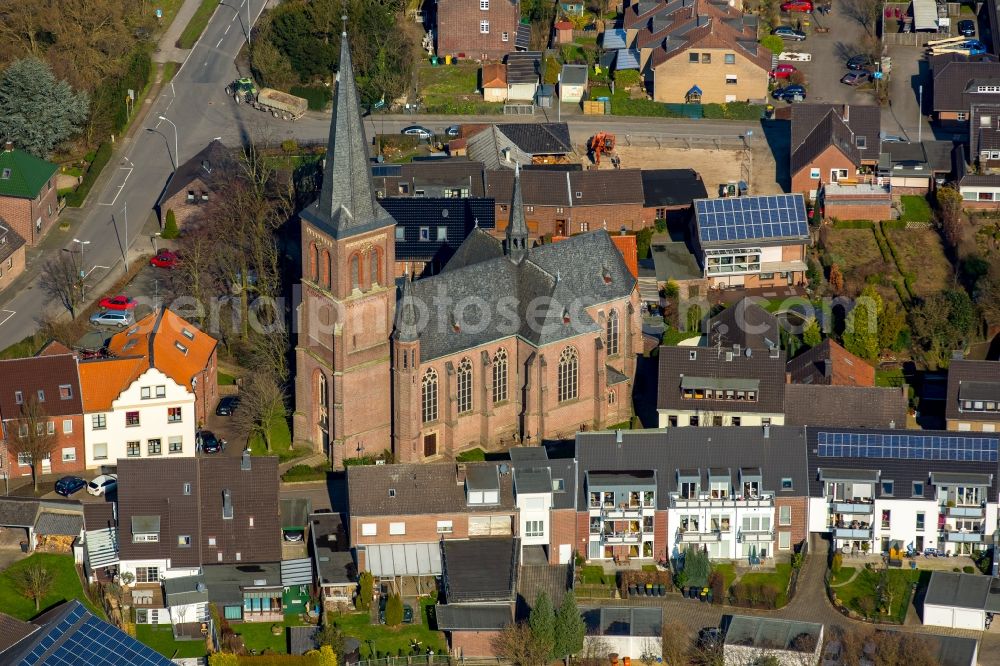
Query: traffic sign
{"x": 876, "y": 75}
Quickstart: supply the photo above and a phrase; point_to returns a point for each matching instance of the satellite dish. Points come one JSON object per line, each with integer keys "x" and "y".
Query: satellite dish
{"x": 749, "y": 352}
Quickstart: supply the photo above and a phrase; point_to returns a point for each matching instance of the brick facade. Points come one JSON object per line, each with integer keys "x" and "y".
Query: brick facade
{"x": 186, "y": 202}
{"x": 472, "y": 643}
{"x": 849, "y": 210}
{"x": 420, "y": 528}
{"x": 568, "y": 220}
{"x": 66, "y": 444}
{"x": 32, "y": 218}
{"x": 800, "y": 520}
{"x": 831, "y": 158}
{"x": 562, "y": 530}
{"x": 460, "y": 29}
{"x": 206, "y": 389}
{"x": 12, "y": 267}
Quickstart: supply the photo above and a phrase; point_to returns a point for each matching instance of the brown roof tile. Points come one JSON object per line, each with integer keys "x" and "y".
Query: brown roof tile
{"x": 606, "y": 187}
{"x": 861, "y": 120}
{"x": 845, "y": 406}
{"x": 40, "y": 373}
{"x": 676, "y": 363}
{"x": 494, "y": 75}
{"x": 844, "y": 368}
{"x": 254, "y": 495}
{"x": 983, "y": 377}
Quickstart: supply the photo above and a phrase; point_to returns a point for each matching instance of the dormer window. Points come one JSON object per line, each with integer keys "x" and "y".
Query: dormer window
{"x": 606, "y": 275}
{"x": 187, "y": 334}
{"x": 5, "y": 175}
{"x": 181, "y": 348}
{"x": 145, "y": 529}
{"x": 227, "y": 505}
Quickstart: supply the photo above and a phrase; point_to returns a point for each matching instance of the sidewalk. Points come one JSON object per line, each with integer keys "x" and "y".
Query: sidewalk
{"x": 166, "y": 51}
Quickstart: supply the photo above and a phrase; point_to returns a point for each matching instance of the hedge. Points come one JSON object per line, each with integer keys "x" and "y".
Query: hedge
{"x": 318, "y": 96}
{"x": 852, "y": 224}
{"x": 101, "y": 159}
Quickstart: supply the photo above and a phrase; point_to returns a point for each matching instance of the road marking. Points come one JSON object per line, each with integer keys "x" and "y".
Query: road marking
{"x": 204, "y": 64}
{"x": 128, "y": 172}
{"x": 227, "y": 29}
{"x": 218, "y": 42}
{"x": 9, "y": 314}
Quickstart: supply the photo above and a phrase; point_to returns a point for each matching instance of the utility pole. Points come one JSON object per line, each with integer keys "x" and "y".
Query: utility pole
{"x": 920, "y": 114}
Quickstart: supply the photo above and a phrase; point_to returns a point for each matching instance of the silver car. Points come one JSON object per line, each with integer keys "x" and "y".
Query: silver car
{"x": 117, "y": 318}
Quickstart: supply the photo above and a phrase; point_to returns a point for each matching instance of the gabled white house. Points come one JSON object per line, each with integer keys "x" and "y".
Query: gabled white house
{"x": 132, "y": 410}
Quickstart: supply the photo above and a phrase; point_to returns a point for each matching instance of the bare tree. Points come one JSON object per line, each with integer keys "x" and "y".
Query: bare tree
{"x": 518, "y": 645}
{"x": 675, "y": 642}
{"x": 865, "y": 12}
{"x": 61, "y": 280}
{"x": 35, "y": 438}
{"x": 262, "y": 402}
{"x": 595, "y": 651}
{"x": 34, "y": 581}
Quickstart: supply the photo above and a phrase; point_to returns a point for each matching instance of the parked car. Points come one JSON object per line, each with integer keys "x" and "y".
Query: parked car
{"x": 805, "y": 6}
{"x": 103, "y": 484}
{"x": 974, "y": 46}
{"x": 860, "y": 62}
{"x": 417, "y": 130}
{"x": 68, "y": 485}
{"x": 967, "y": 28}
{"x": 854, "y": 78}
{"x": 121, "y": 319}
{"x": 453, "y": 130}
{"x": 165, "y": 259}
{"x": 790, "y": 93}
{"x": 783, "y": 71}
{"x": 120, "y": 302}
{"x": 227, "y": 405}
{"x": 891, "y": 138}
{"x": 788, "y": 32}
{"x": 293, "y": 537}
{"x": 209, "y": 443}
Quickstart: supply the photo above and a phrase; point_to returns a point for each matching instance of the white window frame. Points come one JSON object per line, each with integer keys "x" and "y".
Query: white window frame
{"x": 504, "y": 36}
{"x": 67, "y": 426}
{"x": 814, "y": 173}
{"x": 397, "y": 529}
{"x": 484, "y": 5}
{"x": 369, "y": 529}
{"x": 784, "y": 515}
{"x": 534, "y": 528}
{"x": 69, "y": 454}
{"x": 484, "y": 27}
{"x": 445, "y": 527}
{"x": 98, "y": 456}
{"x": 784, "y": 540}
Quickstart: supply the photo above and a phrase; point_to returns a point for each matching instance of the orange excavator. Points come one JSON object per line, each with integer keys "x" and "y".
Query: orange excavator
{"x": 600, "y": 143}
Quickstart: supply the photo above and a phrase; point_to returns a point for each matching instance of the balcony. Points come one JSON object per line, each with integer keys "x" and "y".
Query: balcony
{"x": 621, "y": 537}
{"x": 755, "y": 536}
{"x": 699, "y": 537}
{"x": 623, "y": 512}
{"x": 857, "y": 507}
{"x": 706, "y": 501}
{"x": 965, "y": 511}
{"x": 962, "y": 537}
{"x": 852, "y": 533}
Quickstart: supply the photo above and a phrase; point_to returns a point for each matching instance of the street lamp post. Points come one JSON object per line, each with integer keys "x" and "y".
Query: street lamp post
{"x": 235, "y": 9}
{"x": 175, "y": 156}
{"x": 154, "y": 237}
{"x": 83, "y": 285}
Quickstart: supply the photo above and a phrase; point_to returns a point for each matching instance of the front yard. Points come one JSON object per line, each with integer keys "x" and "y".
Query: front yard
{"x": 452, "y": 89}
{"x": 379, "y": 640}
{"x": 160, "y": 637}
{"x": 862, "y": 594}
{"x": 777, "y": 579}
{"x": 66, "y": 585}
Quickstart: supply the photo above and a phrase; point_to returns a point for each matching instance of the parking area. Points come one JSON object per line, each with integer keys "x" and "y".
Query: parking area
{"x": 829, "y": 51}
{"x": 910, "y": 70}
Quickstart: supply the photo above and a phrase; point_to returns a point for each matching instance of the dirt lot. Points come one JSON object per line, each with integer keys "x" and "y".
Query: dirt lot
{"x": 858, "y": 256}
{"x": 921, "y": 253}
{"x": 715, "y": 166}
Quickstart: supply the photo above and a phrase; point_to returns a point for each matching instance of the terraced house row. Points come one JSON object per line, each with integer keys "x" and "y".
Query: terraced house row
{"x": 647, "y": 495}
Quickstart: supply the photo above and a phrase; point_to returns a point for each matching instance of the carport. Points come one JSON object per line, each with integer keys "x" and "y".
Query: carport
{"x": 403, "y": 559}
{"x": 925, "y": 15}
{"x": 960, "y": 600}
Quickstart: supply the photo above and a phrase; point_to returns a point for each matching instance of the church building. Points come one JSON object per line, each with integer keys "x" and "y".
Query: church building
{"x": 509, "y": 343}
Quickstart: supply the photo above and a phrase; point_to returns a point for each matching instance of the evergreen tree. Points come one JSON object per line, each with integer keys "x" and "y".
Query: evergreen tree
{"x": 812, "y": 336}
{"x": 861, "y": 332}
{"x": 170, "y": 230}
{"x": 394, "y": 611}
{"x": 569, "y": 628}
{"x": 37, "y": 111}
{"x": 542, "y": 621}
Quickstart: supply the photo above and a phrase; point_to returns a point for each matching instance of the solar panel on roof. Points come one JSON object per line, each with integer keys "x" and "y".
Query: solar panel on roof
{"x": 762, "y": 217}
{"x": 912, "y": 447}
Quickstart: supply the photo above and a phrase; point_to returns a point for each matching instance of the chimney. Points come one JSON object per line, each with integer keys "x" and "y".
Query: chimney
{"x": 8, "y": 147}
{"x": 767, "y": 431}
{"x": 245, "y": 460}
{"x": 622, "y": 231}
{"x": 618, "y": 437}
{"x": 460, "y": 473}
{"x": 847, "y": 113}
{"x": 828, "y": 367}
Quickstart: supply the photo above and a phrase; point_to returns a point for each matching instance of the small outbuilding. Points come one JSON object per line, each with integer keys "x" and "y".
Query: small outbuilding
{"x": 562, "y": 33}
{"x": 572, "y": 83}
{"x": 628, "y": 632}
{"x": 960, "y": 600}
{"x": 494, "y": 82}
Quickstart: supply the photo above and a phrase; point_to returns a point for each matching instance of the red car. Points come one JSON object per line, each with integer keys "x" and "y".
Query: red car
{"x": 120, "y": 302}
{"x": 783, "y": 71}
{"x": 165, "y": 259}
{"x": 797, "y": 6}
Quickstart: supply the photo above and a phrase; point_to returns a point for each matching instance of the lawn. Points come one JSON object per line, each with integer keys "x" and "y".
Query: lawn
{"x": 921, "y": 256}
{"x": 66, "y": 585}
{"x": 281, "y": 442}
{"x": 778, "y": 578}
{"x": 890, "y": 377}
{"x": 258, "y": 636}
{"x": 472, "y": 455}
{"x": 452, "y": 89}
{"x": 728, "y": 571}
{"x": 225, "y": 379}
{"x": 860, "y": 595}
{"x": 842, "y": 576}
{"x": 197, "y": 24}
{"x": 169, "y": 69}
{"x": 160, "y": 637}
{"x": 673, "y": 336}
{"x": 915, "y": 208}
{"x": 306, "y": 473}
{"x": 393, "y": 641}
{"x": 594, "y": 575}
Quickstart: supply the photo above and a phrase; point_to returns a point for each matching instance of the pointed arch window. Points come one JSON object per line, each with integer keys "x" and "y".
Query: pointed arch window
{"x": 464, "y": 383}
{"x": 500, "y": 376}
{"x": 327, "y": 268}
{"x": 324, "y": 402}
{"x": 355, "y": 273}
{"x": 612, "y": 332}
{"x": 569, "y": 364}
{"x": 375, "y": 274}
{"x": 314, "y": 262}
{"x": 429, "y": 396}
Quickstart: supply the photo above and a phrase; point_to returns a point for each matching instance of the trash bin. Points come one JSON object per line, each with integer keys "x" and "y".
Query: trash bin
{"x": 24, "y": 546}
{"x": 447, "y": 60}
{"x": 434, "y": 61}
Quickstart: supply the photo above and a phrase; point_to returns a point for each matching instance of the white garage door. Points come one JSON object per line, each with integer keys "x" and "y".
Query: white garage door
{"x": 939, "y": 616}
{"x": 968, "y": 619}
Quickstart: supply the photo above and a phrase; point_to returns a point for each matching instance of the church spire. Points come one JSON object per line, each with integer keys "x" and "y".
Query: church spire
{"x": 406, "y": 314}
{"x": 516, "y": 247}
{"x": 346, "y": 203}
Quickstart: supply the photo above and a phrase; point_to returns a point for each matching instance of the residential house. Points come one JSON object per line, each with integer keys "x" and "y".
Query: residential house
{"x": 699, "y": 52}
{"x": 755, "y": 241}
{"x": 572, "y": 83}
{"x": 12, "y": 254}
{"x": 917, "y": 168}
{"x": 52, "y": 525}
{"x": 176, "y": 347}
{"x": 46, "y": 389}
{"x": 979, "y": 183}
{"x": 28, "y": 201}
{"x": 669, "y": 194}
{"x": 829, "y": 364}
{"x": 506, "y": 145}
{"x": 563, "y": 203}
{"x": 69, "y": 634}
{"x": 672, "y": 261}
{"x": 494, "y": 82}
{"x": 191, "y": 185}
{"x": 960, "y": 600}
{"x": 832, "y": 144}
{"x": 335, "y": 571}
{"x": 744, "y": 325}
{"x": 751, "y": 639}
{"x": 721, "y": 386}
{"x": 854, "y": 406}
{"x": 873, "y": 490}
{"x": 959, "y": 82}
{"x": 480, "y": 588}
{"x": 399, "y": 514}
{"x": 736, "y": 493}
{"x": 430, "y": 230}
{"x": 524, "y": 73}
{"x": 629, "y": 632}
{"x": 435, "y": 179}
{"x": 973, "y": 399}
{"x": 478, "y": 29}
{"x": 208, "y": 520}
{"x": 545, "y": 496}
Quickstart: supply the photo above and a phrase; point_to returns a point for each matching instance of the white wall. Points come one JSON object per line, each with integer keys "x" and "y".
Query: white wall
{"x": 162, "y": 564}
{"x": 770, "y": 253}
{"x": 818, "y": 514}
{"x": 534, "y": 506}
{"x": 189, "y": 613}
{"x": 903, "y": 523}
{"x": 728, "y": 548}
{"x": 630, "y": 646}
{"x": 570, "y": 93}
{"x": 746, "y": 418}
{"x": 153, "y": 421}
{"x": 524, "y": 92}
{"x": 956, "y": 618}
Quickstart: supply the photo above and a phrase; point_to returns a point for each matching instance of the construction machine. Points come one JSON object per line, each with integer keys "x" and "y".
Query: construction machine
{"x": 600, "y": 143}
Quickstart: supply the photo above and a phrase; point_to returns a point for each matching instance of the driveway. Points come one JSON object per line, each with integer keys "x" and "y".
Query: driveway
{"x": 829, "y": 53}
{"x": 910, "y": 70}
